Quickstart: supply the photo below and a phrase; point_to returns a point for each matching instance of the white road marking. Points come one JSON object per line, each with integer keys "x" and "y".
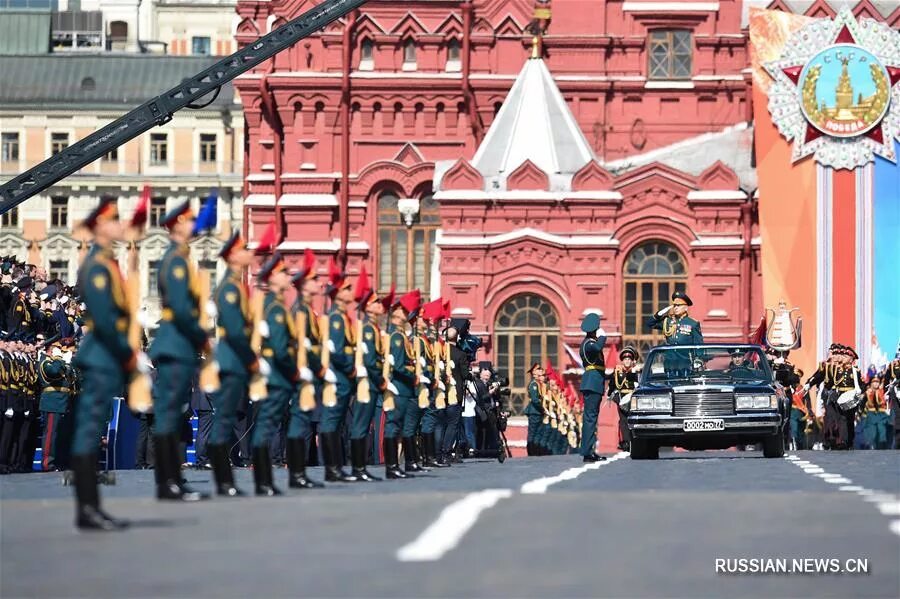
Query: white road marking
{"x": 454, "y": 522}
{"x": 539, "y": 486}
{"x": 887, "y": 504}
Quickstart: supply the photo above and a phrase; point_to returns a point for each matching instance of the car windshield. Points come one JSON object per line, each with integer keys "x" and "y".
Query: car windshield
{"x": 734, "y": 364}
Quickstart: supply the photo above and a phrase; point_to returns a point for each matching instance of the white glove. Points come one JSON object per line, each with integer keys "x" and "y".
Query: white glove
{"x": 422, "y": 361}
{"x": 306, "y": 375}
{"x": 365, "y": 349}
{"x": 27, "y": 413}
{"x": 424, "y": 380}
{"x": 67, "y": 357}
{"x": 391, "y": 360}
{"x": 442, "y": 386}
{"x": 212, "y": 310}
{"x": 441, "y": 365}
{"x": 307, "y": 343}
{"x": 265, "y": 370}
{"x": 8, "y": 413}
{"x": 361, "y": 372}
{"x": 330, "y": 376}
{"x": 390, "y": 387}
{"x": 331, "y": 346}
{"x": 263, "y": 327}
{"x": 806, "y": 388}
{"x": 664, "y": 311}
{"x": 144, "y": 319}
{"x": 144, "y": 365}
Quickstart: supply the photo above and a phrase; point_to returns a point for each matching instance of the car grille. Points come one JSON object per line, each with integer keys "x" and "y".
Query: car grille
{"x": 703, "y": 404}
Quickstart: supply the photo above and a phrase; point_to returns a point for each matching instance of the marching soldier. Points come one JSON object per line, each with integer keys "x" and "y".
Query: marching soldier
{"x": 104, "y": 358}
{"x": 362, "y": 412}
{"x": 236, "y": 359}
{"x": 622, "y": 382}
{"x": 175, "y": 350}
{"x": 534, "y": 409}
{"x": 414, "y": 412}
{"x": 836, "y": 375}
{"x": 341, "y": 347}
{"x": 55, "y": 394}
{"x": 591, "y": 384}
{"x": 402, "y": 383}
{"x": 300, "y": 427}
{"x": 875, "y": 424}
{"x": 279, "y": 349}
{"x": 434, "y": 417}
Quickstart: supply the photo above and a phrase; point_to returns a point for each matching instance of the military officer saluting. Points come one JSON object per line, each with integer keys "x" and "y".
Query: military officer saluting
{"x": 591, "y": 351}
{"x": 105, "y": 360}
{"x": 678, "y": 329}
{"x": 176, "y": 349}
{"x": 235, "y": 356}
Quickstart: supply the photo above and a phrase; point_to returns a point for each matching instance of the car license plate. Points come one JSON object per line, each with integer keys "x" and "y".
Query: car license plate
{"x": 704, "y": 424}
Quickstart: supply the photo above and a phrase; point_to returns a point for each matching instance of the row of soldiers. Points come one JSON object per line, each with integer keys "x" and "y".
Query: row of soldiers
{"x": 31, "y": 306}
{"x": 557, "y": 421}
{"x": 288, "y": 358}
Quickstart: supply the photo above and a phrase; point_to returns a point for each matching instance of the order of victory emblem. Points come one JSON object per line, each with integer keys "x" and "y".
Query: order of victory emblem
{"x": 836, "y": 92}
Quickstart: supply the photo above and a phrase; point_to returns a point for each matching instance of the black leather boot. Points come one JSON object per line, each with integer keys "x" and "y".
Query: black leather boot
{"x": 296, "y": 458}
{"x": 334, "y": 471}
{"x": 391, "y": 462}
{"x": 166, "y": 487}
{"x": 409, "y": 455}
{"x": 262, "y": 473}
{"x": 218, "y": 456}
{"x": 431, "y": 458}
{"x": 88, "y": 515}
{"x": 173, "y": 469}
{"x": 358, "y": 457}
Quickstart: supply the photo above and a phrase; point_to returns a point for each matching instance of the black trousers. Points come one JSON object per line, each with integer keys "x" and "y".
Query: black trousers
{"x": 204, "y": 426}
{"x": 8, "y": 437}
{"x": 144, "y": 452}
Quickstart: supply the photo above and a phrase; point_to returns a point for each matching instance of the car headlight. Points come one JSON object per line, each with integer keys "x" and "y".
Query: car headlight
{"x": 655, "y": 403}
{"x": 756, "y": 402}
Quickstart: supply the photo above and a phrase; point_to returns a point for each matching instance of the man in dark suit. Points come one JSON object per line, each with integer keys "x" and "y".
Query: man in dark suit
{"x": 591, "y": 384}
{"x": 486, "y": 400}
{"x": 201, "y": 404}
{"x": 459, "y": 372}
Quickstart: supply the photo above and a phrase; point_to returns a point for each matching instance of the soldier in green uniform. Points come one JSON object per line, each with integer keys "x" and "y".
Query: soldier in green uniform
{"x": 300, "y": 427}
{"x": 279, "y": 348}
{"x": 56, "y": 391}
{"x": 402, "y": 383}
{"x": 235, "y": 357}
{"x": 622, "y": 382}
{"x": 591, "y": 351}
{"x": 678, "y": 329}
{"x": 361, "y": 413}
{"x": 342, "y": 348}
{"x": 104, "y": 358}
{"x": 175, "y": 350}
{"x": 534, "y": 408}
{"x": 414, "y": 413}
{"x": 434, "y": 420}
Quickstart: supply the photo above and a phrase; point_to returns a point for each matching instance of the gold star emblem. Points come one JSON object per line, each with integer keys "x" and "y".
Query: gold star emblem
{"x": 336, "y": 325}
{"x": 99, "y": 282}
{"x": 179, "y": 272}
{"x": 279, "y": 318}
{"x": 231, "y": 297}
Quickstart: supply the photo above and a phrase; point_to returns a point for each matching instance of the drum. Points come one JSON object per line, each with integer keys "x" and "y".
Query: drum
{"x": 848, "y": 401}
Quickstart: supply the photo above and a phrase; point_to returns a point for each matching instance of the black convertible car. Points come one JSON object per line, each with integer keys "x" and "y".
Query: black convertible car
{"x": 707, "y": 397}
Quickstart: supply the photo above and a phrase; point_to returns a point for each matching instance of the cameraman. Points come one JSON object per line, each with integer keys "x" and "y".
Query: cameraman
{"x": 487, "y": 406}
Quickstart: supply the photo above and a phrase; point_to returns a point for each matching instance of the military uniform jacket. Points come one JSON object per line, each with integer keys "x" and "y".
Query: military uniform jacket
{"x": 235, "y": 326}
{"x": 373, "y": 359}
{"x": 102, "y": 290}
{"x": 591, "y": 352}
{"x": 313, "y": 339}
{"x": 54, "y": 381}
{"x": 19, "y": 319}
{"x": 179, "y": 336}
{"x": 678, "y": 331}
{"x": 834, "y": 377}
{"x": 403, "y": 370}
{"x": 426, "y": 352}
{"x": 623, "y": 381}
{"x": 534, "y": 407}
{"x": 343, "y": 347}
{"x": 280, "y": 347}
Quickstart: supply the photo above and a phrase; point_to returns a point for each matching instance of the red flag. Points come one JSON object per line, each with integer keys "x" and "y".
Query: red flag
{"x": 758, "y": 337}
{"x": 446, "y": 313}
{"x": 140, "y": 213}
{"x": 612, "y": 356}
{"x": 268, "y": 240}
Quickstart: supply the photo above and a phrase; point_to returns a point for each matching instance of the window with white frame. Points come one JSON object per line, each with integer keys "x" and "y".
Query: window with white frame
{"x": 58, "y": 143}
{"x": 59, "y": 269}
{"x": 453, "y": 55}
{"x": 366, "y": 55}
{"x": 59, "y": 212}
{"x": 156, "y": 211}
{"x": 10, "y": 218}
{"x": 409, "y": 55}
{"x": 10, "y": 146}
{"x": 159, "y": 149}
{"x": 207, "y": 147}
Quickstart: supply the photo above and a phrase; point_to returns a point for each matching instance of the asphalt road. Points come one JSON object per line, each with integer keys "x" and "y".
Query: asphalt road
{"x": 532, "y": 527}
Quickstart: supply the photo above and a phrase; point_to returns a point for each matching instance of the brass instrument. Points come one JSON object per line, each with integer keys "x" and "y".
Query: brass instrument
{"x": 452, "y": 391}
{"x": 258, "y": 390}
{"x": 139, "y": 391}
{"x": 329, "y": 390}
{"x": 388, "y": 398}
{"x": 440, "y": 396}
{"x": 363, "y": 392}
{"x": 423, "y": 389}
{"x": 209, "y": 370}
{"x": 307, "y": 388}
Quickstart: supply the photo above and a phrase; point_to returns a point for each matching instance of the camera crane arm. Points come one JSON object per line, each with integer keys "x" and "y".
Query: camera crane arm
{"x": 159, "y": 110}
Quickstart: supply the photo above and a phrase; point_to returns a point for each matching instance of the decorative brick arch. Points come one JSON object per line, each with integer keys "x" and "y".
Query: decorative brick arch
{"x": 527, "y": 176}
{"x": 592, "y": 177}
{"x": 718, "y": 176}
{"x": 463, "y": 176}
{"x": 408, "y": 178}
{"x": 653, "y": 228}
{"x": 510, "y": 288}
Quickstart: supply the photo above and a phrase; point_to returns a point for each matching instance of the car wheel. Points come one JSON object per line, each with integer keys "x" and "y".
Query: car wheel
{"x": 773, "y": 446}
{"x": 641, "y": 449}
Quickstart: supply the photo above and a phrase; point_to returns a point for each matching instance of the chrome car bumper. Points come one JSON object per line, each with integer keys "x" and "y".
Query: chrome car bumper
{"x": 663, "y": 425}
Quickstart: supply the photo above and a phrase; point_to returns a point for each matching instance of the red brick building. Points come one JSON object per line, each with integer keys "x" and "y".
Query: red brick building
{"x": 419, "y": 138}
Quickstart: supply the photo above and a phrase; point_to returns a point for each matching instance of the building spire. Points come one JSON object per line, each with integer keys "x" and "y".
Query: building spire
{"x": 538, "y": 26}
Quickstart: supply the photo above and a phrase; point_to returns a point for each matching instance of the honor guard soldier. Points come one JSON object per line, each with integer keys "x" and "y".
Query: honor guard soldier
{"x": 402, "y": 382}
{"x": 279, "y": 349}
{"x": 341, "y": 347}
{"x": 434, "y": 416}
{"x": 876, "y": 419}
{"x": 105, "y": 359}
{"x": 235, "y": 357}
{"x": 175, "y": 350}
{"x": 591, "y": 352}
{"x": 368, "y": 395}
{"x": 55, "y": 395}
{"x": 534, "y": 409}
{"x": 300, "y": 427}
{"x": 415, "y": 411}
{"x": 623, "y": 382}
{"x": 837, "y": 375}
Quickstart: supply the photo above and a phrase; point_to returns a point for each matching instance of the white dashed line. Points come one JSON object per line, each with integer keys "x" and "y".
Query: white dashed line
{"x": 886, "y": 503}
{"x": 539, "y": 486}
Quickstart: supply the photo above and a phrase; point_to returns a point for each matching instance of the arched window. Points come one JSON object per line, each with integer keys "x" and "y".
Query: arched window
{"x": 526, "y": 331}
{"x": 366, "y": 55}
{"x": 409, "y": 55}
{"x": 406, "y": 242}
{"x": 453, "y": 55}
{"x": 653, "y": 271}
